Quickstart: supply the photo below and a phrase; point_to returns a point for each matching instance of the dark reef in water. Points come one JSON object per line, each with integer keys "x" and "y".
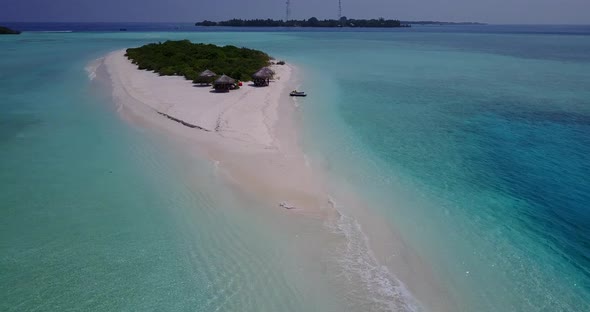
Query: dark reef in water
{"x": 8, "y": 31}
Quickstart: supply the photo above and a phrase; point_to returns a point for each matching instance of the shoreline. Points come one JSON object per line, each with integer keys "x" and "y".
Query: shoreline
{"x": 251, "y": 135}
{"x": 249, "y": 132}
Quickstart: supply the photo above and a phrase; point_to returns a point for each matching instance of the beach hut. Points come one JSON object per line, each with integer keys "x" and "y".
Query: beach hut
{"x": 206, "y": 77}
{"x": 262, "y": 77}
{"x": 224, "y": 83}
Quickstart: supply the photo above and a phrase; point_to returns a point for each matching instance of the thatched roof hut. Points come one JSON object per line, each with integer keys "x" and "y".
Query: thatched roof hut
{"x": 206, "y": 77}
{"x": 264, "y": 73}
{"x": 268, "y": 70}
{"x": 224, "y": 83}
{"x": 224, "y": 79}
{"x": 207, "y": 73}
{"x": 262, "y": 77}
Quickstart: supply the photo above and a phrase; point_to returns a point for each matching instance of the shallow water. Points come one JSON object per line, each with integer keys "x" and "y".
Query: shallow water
{"x": 474, "y": 150}
{"x": 102, "y": 215}
{"x": 472, "y": 145}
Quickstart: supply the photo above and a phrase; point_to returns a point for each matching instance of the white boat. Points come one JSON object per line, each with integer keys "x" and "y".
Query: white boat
{"x": 297, "y": 93}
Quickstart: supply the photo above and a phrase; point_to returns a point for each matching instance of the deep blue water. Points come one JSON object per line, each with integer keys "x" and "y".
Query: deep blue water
{"x": 476, "y": 145}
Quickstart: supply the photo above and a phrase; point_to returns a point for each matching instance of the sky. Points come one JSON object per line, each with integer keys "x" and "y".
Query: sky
{"x": 487, "y": 11}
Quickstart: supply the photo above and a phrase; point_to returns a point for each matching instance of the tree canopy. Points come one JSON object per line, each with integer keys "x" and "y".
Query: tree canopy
{"x": 8, "y": 31}
{"x": 184, "y": 58}
{"x": 312, "y": 22}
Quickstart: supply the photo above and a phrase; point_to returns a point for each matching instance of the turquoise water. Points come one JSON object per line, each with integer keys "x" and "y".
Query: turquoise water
{"x": 102, "y": 215}
{"x": 471, "y": 145}
{"x": 475, "y": 147}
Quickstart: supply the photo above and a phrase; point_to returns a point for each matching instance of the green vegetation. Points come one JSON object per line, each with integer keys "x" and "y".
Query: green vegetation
{"x": 435, "y": 23}
{"x": 184, "y": 58}
{"x": 312, "y": 22}
{"x": 8, "y": 31}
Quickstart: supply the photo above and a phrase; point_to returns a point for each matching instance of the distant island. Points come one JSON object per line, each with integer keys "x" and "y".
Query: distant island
{"x": 187, "y": 59}
{"x": 8, "y": 31}
{"x": 440, "y": 23}
{"x": 312, "y": 22}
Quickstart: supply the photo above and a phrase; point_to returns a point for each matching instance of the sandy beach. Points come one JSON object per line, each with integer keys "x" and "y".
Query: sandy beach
{"x": 249, "y": 133}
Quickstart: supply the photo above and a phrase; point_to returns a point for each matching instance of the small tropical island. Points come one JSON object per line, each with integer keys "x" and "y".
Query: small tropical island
{"x": 311, "y": 22}
{"x": 174, "y": 78}
{"x": 190, "y": 60}
{"x": 250, "y": 134}
{"x": 8, "y": 31}
{"x": 156, "y": 75}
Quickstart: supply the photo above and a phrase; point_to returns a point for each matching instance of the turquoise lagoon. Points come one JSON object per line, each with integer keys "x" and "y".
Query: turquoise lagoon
{"x": 471, "y": 144}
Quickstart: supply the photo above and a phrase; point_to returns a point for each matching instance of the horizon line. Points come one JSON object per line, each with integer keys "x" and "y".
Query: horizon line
{"x": 193, "y": 22}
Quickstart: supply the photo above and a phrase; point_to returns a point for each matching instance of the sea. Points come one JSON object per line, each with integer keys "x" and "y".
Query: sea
{"x": 468, "y": 144}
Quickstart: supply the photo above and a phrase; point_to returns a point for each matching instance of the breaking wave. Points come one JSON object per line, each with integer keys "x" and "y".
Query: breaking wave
{"x": 358, "y": 263}
{"x": 92, "y": 67}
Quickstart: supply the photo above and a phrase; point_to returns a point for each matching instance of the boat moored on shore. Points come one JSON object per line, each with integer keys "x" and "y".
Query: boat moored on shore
{"x": 297, "y": 93}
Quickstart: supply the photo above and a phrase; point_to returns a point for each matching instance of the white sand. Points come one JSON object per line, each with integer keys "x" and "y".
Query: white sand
{"x": 249, "y": 132}
{"x": 252, "y": 135}
{"x": 247, "y": 114}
